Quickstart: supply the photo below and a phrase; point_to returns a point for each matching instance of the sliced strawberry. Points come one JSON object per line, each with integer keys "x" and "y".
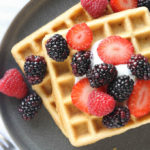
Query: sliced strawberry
{"x": 120, "y": 5}
{"x": 80, "y": 93}
{"x": 115, "y": 50}
{"x": 80, "y": 37}
{"x": 139, "y": 101}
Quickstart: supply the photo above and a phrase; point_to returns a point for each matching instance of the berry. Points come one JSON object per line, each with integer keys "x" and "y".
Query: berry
{"x": 80, "y": 63}
{"x": 29, "y": 106}
{"x": 35, "y": 69}
{"x": 121, "y": 88}
{"x": 139, "y": 101}
{"x": 100, "y": 103}
{"x": 115, "y": 50}
{"x": 57, "y": 48}
{"x": 79, "y": 94}
{"x": 95, "y": 8}
{"x": 139, "y": 66}
{"x": 101, "y": 74}
{"x": 12, "y": 84}
{"x": 80, "y": 37}
{"x": 120, "y": 5}
{"x": 145, "y": 3}
{"x": 118, "y": 118}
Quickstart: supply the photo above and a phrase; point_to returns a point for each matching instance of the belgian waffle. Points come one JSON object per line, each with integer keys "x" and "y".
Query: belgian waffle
{"x": 81, "y": 128}
{"x": 33, "y": 45}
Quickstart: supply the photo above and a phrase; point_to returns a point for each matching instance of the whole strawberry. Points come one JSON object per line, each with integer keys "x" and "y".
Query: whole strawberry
{"x": 12, "y": 84}
{"x": 95, "y": 8}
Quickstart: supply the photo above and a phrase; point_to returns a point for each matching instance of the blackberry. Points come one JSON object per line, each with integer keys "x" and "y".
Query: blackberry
{"x": 145, "y": 3}
{"x": 121, "y": 88}
{"x": 29, "y": 106}
{"x": 139, "y": 66}
{"x": 57, "y": 48}
{"x": 80, "y": 63}
{"x": 101, "y": 74}
{"x": 35, "y": 69}
{"x": 118, "y": 118}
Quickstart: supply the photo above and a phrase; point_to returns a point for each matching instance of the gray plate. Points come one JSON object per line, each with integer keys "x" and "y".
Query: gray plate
{"x": 41, "y": 133}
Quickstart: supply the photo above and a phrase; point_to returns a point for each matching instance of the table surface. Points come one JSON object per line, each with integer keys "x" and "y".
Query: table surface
{"x": 8, "y": 11}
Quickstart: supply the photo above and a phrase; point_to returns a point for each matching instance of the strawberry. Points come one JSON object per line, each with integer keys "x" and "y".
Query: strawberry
{"x": 95, "y": 8}
{"x": 139, "y": 101}
{"x": 115, "y": 50}
{"x": 100, "y": 103}
{"x": 12, "y": 84}
{"x": 80, "y": 37}
{"x": 120, "y": 5}
{"x": 80, "y": 93}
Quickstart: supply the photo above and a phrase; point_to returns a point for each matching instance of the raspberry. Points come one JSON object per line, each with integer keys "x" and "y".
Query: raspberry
{"x": 145, "y": 3}
{"x": 80, "y": 63}
{"x": 95, "y": 8}
{"x": 100, "y": 103}
{"x": 57, "y": 48}
{"x": 12, "y": 84}
{"x": 101, "y": 74}
{"x": 139, "y": 66}
{"x": 29, "y": 106}
{"x": 35, "y": 69}
{"x": 121, "y": 88}
{"x": 118, "y": 118}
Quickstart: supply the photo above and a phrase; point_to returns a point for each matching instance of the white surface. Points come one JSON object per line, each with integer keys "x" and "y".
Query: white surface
{"x": 8, "y": 10}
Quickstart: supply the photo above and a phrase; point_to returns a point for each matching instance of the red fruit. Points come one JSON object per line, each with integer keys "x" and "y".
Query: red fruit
{"x": 115, "y": 50}
{"x": 12, "y": 84}
{"x": 80, "y": 37}
{"x": 80, "y": 93}
{"x": 95, "y": 8}
{"x": 139, "y": 101}
{"x": 100, "y": 103}
{"x": 120, "y": 5}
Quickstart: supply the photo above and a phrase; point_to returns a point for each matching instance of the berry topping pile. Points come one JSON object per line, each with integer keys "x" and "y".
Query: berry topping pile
{"x": 29, "y": 106}
{"x": 121, "y": 88}
{"x": 100, "y": 103}
{"x": 139, "y": 66}
{"x": 115, "y": 50}
{"x": 35, "y": 69}
{"x": 80, "y": 37}
{"x": 101, "y": 74}
{"x": 57, "y": 48}
{"x": 139, "y": 101}
{"x": 118, "y": 118}
{"x": 80, "y": 63}
{"x": 12, "y": 84}
{"x": 145, "y": 3}
{"x": 120, "y": 5}
{"x": 95, "y": 8}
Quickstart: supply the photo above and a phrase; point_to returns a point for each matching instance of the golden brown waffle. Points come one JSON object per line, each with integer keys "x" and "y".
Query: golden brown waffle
{"x": 33, "y": 45}
{"x": 81, "y": 128}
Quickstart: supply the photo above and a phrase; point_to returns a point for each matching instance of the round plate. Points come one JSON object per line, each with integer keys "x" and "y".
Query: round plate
{"x": 41, "y": 133}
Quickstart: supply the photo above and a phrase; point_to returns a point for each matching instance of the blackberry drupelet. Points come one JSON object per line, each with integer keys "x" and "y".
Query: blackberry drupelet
{"x": 139, "y": 66}
{"x": 57, "y": 48}
{"x": 35, "y": 69}
{"x": 80, "y": 63}
{"x": 101, "y": 75}
{"x": 118, "y": 118}
{"x": 29, "y": 106}
{"x": 121, "y": 88}
{"x": 145, "y": 3}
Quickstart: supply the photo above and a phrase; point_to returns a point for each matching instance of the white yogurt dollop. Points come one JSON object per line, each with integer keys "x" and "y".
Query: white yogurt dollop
{"x": 95, "y": 59}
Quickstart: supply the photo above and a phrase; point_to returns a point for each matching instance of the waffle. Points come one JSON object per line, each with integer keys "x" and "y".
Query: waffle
{"x": 33, "y": 45}
{"x": 81, "y": 128}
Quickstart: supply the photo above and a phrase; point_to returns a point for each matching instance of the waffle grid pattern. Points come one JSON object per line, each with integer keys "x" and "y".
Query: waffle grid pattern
{"x": 33, "y": 45}
{"x": 82, "y": 128}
